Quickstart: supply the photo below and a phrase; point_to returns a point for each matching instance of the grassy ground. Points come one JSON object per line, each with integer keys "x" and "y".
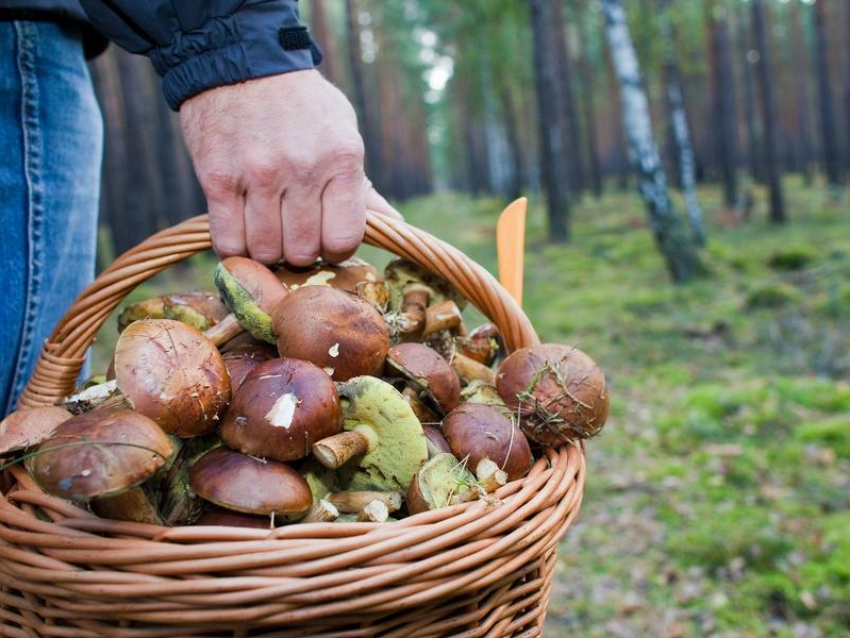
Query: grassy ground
{"x": 718, "y": 498}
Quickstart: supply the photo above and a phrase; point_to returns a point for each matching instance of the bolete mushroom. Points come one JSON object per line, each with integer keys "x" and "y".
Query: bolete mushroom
{"x": 251, "y": 292}
{"x": 412, "y": 291}
{"x": 218, "y": 516}
{"x": 383, "y": 438}
{"x": 337, "y": 331}
{"x": 481, "y": 392}
{"x": 200, "y": 309}
{"x": 470, "y": 370}
{"x": 435, "y": 441}
{"x": 427, "y": 372}
{"x": 99, "y": 454}
{"x": 352, "y": 275}
{"x": 477, "y": 431}
{"x": 352, "y": 501}
{"x": 242, "y": 483}
{"x": 28, "y": 427}
{"x": 559, "y": 391}
{"x": 484, "y": 344}
{"x": 173, "y": 374}
{"x": 281, "y": 409}
{"x": 438, "y": 484}
{"x": 242, "y": 360}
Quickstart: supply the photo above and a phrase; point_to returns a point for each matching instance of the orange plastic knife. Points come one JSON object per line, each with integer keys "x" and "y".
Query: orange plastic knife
{"x": 510, "y": 247}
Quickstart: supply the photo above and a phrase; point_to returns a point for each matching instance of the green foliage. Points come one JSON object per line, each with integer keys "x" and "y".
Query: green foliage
{"x": 792, "y": 258}
{"x": 772, "y": 295}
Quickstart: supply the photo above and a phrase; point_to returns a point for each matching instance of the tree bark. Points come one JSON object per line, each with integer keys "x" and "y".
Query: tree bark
{"x": 801, "y": 88}
{"x": 671, "y": 237}
{"x": 517, "y": 160}
{"x": 723, "y": 98}
{"x": 553, "y": 163}
{"x": 681, "y": 131}
{"x": 829, "y": 133}
{"x": 587, "y": 94}
{"x": 768, "y": 107}
{"x": 754, "y": 159}
{"x": 323, "y": 35}
{"x": 568, "y": 108}
{"x": 369, "y": 126}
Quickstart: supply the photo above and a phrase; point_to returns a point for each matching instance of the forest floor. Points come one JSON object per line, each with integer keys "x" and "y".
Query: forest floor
{"x": 718, "y": 496}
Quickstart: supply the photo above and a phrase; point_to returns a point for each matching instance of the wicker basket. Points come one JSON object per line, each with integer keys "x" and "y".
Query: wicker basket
{"x": 475, "y": 569}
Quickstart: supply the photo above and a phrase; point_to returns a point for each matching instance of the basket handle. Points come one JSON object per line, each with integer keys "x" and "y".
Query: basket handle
{"x": 63, "y": 354}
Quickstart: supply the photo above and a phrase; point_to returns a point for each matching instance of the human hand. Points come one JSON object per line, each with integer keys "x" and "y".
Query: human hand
{"x": 280, "y": 161}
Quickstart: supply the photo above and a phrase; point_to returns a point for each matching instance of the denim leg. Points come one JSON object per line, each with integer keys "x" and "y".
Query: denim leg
{"x": 51, "y": 136}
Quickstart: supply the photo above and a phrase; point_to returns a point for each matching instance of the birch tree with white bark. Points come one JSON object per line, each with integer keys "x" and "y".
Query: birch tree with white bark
{"x": 671, "y": 236}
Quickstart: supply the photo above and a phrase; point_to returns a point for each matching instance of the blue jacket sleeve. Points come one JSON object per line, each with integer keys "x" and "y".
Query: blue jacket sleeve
{"x": 200, "y": 44}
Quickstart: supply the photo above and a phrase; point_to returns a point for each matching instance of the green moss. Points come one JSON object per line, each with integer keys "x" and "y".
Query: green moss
{"x": 772, "y": 296}
{"x": 791, "y": 258}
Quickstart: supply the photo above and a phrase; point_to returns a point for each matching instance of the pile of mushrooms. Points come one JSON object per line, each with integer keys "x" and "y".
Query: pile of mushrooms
{"x": 305, "y": 395}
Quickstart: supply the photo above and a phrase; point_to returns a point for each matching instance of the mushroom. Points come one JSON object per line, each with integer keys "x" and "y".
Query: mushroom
{"x": 321, "y": 512}
{"x": 173, "y": 374}
{"x": 249, "y": 485}
{"x": 353, "y": 275}
{"x": 381, "y": 431}
{"x": 443, "y": 316}
{"x": 28, "y": 427}
{"x": 422, "y": 411}
{"x": 169, "y": 489}
{"x": 439, "y": 483}
{"x": 145, "y": 309}
{"x": 435, "y": 441}
{"x": 218, "y": 516}
{"x": 412, "y": 291}
{"x": 201, "y": 310}
{"x": 427, "y": 372}
{"x": 242, "y": 360}
{"x": 480, "y": 392}
{"x": 99, "y": 454}
{"x": 281, "y": 409}
{"x": 559, "y": 391}
{"x": 484, "y": 344}
{"x": 477, "y": 431}
{"x": 251, "y": 292}
{"x": 373, "y": 512}
{"x": 470, "y": 370}
{"x": 337, "y": 331}
{"x": 490, "y": 476}
{"x": 131, "y": 505}
{"x": 352, "y": 501}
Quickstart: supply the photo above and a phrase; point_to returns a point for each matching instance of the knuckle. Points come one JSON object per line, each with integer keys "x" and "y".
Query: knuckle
{"x": 306, "y": 170}
{"x": 218, "y": 182}
{"x": 343, "y": 242}
{"x": 348, "y": 153}
{"x": 263, "y": 173}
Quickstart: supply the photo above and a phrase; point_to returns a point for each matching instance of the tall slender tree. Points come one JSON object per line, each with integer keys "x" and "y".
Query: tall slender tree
{"x": 671, "y": 237}
{"x": 323, "y": 33}
{"x": 829, "y": 133}
{"x": 568, "y": 104}
{"x": 748, "y": 59}
{"x": 723, "y": 99}
{"x": 768, "y": 108}
{"x": 801, "y": 88}
{"x": 589, "y": 112}
{"x": 681, "y": 130}
{"x": 553, "y": 161}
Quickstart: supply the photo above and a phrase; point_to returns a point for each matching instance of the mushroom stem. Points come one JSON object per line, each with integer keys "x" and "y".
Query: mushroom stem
{"x": 490, "y": 476}
{"x": 335, "y": 450}
{"x": 413, "y": 308}
{"x": 470, "y": 370}
{"x": 422, "y": 411}
{"x": 224, "y": 330}
{"x": 321, "y": 512}
{"x": 355, "y": 500}
{"x": 472, "y": 494}
{"x": 443, "y": 316}
{"x": 373, "y": 512}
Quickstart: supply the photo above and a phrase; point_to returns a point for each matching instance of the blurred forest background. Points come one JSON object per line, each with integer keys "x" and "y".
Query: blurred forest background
{"x": 704, "y": 143}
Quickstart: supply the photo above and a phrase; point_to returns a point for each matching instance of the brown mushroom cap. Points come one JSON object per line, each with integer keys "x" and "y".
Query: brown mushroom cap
{"x": 258, "y": 281}
{"x": 560, "y": 391}
{"x": 99, "y": 454}
{"x": 28, "y": 427}
{"x": 477, "y": 431}
{"x": 218, "y": 516}
{"x": 428, "y": 370}
{"x": 484, "y": 344}
{"x": 334, "y": 330}
{"x": 245, "y": 484}
{"x": 352, "y": 275}
{"x": 281, "y": 409}
{"x": 240, "y": 361}
{"x": 401, "y": 273}
{"x": 199, "y": 309}
{"x": 437, "y": 443}
{"x": 173, "y": 374}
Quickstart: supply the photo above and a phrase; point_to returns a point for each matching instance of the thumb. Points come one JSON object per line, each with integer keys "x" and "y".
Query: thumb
{"x": 376, "y": 202}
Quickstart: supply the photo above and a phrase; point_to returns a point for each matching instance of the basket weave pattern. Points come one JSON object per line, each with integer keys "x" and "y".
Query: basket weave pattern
{"x": 476, "y": 569}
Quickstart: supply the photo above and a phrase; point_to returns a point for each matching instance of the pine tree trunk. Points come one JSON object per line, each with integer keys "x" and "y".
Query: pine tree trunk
{"x": 323, "y": 35}
{"x": 553, "y": 163}
{"x": 568, "y": 104}
{"x": 829, "y": 133}
{"x": 801, "y": 88}
{"x": 754, "y": 158}
{"x": 768, "y": 108}
{"x": 517, "y": 172}
{"x": 723, "y": 97}
{"x": 594, "y": 167}
{"x": 671, "y": 237}
{"x": 369, "y": 124}
{"x": 681, "y": 132}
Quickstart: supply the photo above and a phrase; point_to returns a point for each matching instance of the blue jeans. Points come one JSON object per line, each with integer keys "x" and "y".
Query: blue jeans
{"x": 51, "y": 142}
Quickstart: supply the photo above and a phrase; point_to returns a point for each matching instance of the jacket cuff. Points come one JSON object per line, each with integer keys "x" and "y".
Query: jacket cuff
{"x": 258, "y": 40}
